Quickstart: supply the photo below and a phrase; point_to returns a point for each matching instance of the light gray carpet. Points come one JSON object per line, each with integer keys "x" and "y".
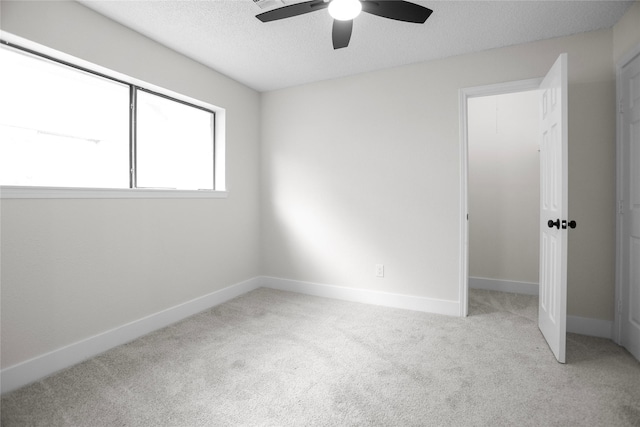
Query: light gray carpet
{"x": 272, "y": 358}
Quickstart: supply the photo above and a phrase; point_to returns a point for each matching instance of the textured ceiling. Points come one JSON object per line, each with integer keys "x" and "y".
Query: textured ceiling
{"x": 226, "y": 36}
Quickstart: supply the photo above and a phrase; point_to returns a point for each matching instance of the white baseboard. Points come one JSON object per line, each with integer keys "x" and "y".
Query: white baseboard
{"x": 577, "y": 325}
{"x": 512, "y": 286}
{"x": 429, "y": 305}
{"x": 26, "y": 372}
{"x": 588, "y": 326}
{"x": 39, "y": 367}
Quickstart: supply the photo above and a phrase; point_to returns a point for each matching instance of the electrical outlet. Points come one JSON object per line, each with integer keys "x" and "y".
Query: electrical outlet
{"x": 379, "y": 270}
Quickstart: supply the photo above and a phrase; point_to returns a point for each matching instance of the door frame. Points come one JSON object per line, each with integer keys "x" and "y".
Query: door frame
{"x": 463, "y": 96}
{"x": 620, "y": 196}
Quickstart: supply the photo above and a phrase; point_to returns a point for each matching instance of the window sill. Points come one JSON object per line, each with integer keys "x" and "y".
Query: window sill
{"x": 10, "y": 192}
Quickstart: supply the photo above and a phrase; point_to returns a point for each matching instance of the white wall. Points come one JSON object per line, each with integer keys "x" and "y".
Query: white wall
{"x": 74, "y": 268}
{"x": 366, "y": 169}
{"x": 626, "y": 33}
{"x": 504, "y": 190}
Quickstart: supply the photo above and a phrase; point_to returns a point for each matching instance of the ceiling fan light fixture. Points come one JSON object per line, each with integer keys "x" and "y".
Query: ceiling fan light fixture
{"x": 344, "y": 10}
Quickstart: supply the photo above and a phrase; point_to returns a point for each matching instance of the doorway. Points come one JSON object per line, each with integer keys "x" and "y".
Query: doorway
{"x": 554, "y": 148}
{"x": 504, "y": 192}
{"x": 484, "y": 97}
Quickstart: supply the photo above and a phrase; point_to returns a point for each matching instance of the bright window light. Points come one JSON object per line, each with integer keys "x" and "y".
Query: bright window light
{"x": 62, "y": 125}
{"x": 59, "y": 126}
{"x": 174, "y": 144}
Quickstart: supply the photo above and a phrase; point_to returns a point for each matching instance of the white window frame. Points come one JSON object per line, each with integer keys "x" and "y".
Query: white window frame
{"x": 27, "y": 192}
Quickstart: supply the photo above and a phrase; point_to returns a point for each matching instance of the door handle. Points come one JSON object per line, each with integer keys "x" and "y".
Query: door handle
{"x": 551, "y": 223}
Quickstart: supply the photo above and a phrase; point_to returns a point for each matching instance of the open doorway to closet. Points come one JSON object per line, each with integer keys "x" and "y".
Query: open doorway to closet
{"x": 553, "y": 115}
{"x": 504, "y": 191}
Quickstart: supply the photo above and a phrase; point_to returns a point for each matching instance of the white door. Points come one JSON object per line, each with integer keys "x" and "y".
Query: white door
{"x": 552, "y": 305}
{"x": 629, "y": 308}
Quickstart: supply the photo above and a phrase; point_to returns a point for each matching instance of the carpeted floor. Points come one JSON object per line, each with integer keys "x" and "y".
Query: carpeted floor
{"x": 272, "y": 358}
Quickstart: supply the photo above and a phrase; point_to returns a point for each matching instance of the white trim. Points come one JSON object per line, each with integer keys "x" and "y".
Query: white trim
{"x": 387, "y": 299}
{"x": 463, "y": 95}
{"x": 592, "y": 327}
{"x": 617, "y": 322}
{"x": 31, "y": 370}
{"x": 10, "y": 192}
{"x": 220, "y": 151}
{"x": 502, "y": 88}
{"x": 575, "y": 324}
{"x": 512, "y": 286}
{"x": 463, "y": 291}
{"x": 39, "y": 367}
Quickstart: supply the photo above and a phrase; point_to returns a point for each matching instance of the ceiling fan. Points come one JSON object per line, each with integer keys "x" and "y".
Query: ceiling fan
{"x": 344, "y": 11}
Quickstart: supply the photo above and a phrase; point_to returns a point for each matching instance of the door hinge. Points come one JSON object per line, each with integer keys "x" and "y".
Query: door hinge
{"x": 620, "y": 207}
{"x": 620, "y": 107}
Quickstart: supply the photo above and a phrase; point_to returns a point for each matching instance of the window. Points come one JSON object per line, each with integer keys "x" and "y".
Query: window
{"x": 61, "y": 127}
{"x": 66, "y": 127}
{"x": 174, "y": 144}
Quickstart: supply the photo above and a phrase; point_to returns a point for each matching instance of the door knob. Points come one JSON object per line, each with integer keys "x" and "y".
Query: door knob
{"x": 552, "y": 223}
{"x": 571, "y": 224}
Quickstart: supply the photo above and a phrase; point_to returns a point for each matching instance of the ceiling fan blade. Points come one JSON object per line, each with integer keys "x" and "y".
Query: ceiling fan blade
{"x": 341, "y": 33}
{"x": 292, "y": 10}
{"x": 398, "y": 10}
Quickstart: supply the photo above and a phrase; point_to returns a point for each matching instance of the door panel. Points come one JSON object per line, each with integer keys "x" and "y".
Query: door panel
{"x": 630, "y": 295}
{"x": 634, "y": 297}
{"x": 552, "y": 307}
